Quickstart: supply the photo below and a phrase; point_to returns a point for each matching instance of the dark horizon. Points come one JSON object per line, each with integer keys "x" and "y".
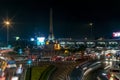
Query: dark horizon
{"x": 70, "y": 19}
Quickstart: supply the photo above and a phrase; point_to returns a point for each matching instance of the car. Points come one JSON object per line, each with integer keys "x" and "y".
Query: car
{"x": 2, "y": 78}
{"x": 85, "y": 68}
{"x": 78, "y": 59}
{"x": 77, "y": 67}
{"x": 20, "y": 59}
{"x": 15, "y": 78}
{"x": 11, "y": 66}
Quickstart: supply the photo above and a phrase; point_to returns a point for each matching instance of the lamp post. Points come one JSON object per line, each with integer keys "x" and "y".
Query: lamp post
{"x": 91, "y": 30}
{"x": 7, "y": 24}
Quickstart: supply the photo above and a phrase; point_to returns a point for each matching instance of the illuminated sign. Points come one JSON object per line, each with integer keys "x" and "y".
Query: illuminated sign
{"x": 40, "y": 40}
{"x": 116, "y": 34}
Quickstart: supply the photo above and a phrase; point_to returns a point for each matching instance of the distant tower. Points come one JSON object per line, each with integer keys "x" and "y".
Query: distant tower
{"x": 51, "y": 35}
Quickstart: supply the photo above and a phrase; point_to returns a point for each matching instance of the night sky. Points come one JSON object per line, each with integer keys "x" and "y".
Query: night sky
{"x": 70, "y": 18}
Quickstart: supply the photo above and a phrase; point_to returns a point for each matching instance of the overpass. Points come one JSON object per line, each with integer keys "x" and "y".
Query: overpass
{"x": 90, "y": 43}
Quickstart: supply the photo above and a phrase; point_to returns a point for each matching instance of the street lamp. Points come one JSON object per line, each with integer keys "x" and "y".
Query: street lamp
{"x": 7, "y": 23}
{"x": 91, "y": 29}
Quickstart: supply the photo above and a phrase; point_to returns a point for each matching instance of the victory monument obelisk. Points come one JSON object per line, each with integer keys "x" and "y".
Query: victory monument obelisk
{"x": 51, "y": 35}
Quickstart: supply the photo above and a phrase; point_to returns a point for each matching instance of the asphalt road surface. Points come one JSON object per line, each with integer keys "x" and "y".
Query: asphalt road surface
{"x": 76, "y": 74}
{"x": 98, "y": 74}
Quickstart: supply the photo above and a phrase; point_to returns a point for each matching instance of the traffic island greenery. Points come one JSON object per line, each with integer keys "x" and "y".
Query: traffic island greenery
{"x": 40, "y": 72}
{"x": 37, "y": 71}
{"x": 28, "y": 74}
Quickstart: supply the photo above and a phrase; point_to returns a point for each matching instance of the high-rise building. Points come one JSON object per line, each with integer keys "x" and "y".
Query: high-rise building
{"x": 51, "y": 35}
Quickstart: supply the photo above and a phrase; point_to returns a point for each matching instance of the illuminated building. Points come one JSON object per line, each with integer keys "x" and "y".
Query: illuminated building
{"x": 116, "y": 34}
{"x": 57, "y": 46}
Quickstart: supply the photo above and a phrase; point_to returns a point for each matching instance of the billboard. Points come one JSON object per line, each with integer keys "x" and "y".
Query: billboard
{"x": 116, "y": 34}
{"x": 40, "y": 40}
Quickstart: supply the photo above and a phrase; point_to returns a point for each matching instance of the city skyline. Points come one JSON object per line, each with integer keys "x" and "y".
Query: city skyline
{"x": 70, "y": 19}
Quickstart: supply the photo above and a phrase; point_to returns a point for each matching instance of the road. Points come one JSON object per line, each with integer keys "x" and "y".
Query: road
{"x": 98, "y": 74}
{"x": 78, "y": 72}
{"x": 9, "y": 72}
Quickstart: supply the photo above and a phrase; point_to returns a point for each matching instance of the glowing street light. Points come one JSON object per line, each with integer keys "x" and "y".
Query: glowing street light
{"x": 90, "y": 24}
{"x": 7, "y": 23}
{"x": 91, "y": 29}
